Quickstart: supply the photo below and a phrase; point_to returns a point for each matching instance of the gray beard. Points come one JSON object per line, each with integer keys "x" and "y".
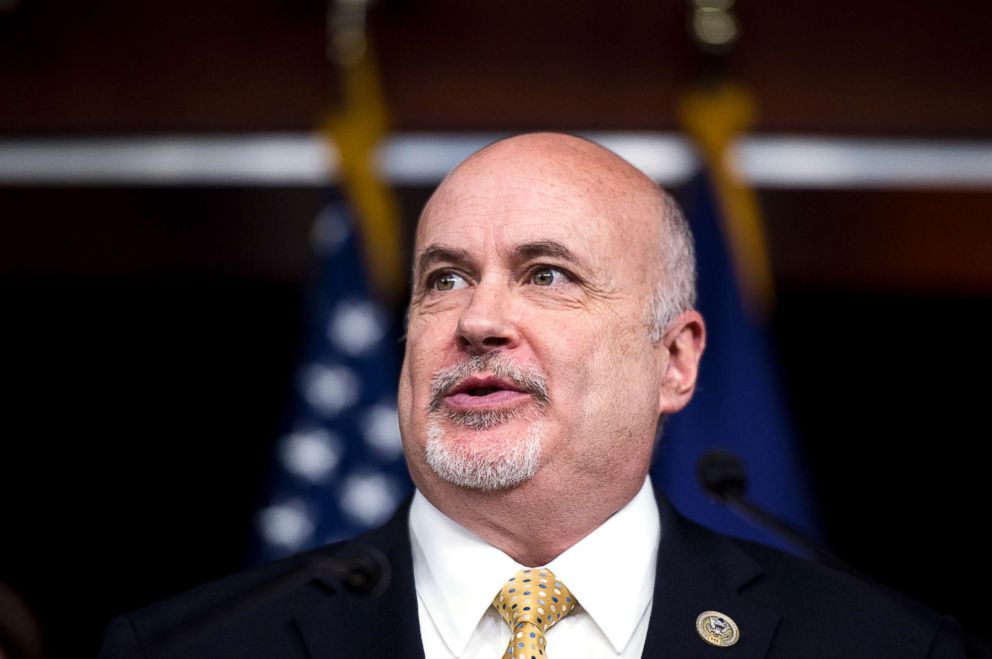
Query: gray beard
{"x": 484, "y": 468}
{"x": 485, "y": 420}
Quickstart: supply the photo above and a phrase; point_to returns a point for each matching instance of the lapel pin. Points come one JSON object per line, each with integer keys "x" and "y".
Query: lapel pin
{"x": 717, "y": 629}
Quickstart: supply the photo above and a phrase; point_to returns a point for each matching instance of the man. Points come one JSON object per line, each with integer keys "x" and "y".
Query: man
{"x": 551, "y": 329}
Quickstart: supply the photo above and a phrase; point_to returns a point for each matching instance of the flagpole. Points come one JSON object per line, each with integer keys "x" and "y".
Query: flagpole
{"x": 716, "y": 113}
{"x": 355, "y": 128}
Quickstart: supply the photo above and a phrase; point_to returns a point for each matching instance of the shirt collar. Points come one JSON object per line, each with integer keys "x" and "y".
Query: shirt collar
{"x": 456, "y": 572}
{"x": 610, "y": 572}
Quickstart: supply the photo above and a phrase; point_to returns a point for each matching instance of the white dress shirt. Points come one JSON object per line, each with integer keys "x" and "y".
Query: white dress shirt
{"x": 610, "y": 572}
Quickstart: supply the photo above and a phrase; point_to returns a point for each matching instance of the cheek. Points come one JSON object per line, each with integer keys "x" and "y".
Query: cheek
{"x": 426, "y": 350}
{"x": 575, "y": 366}
{"x": 414, "y": 381}
{"x": 617, "y": 380}
{"x": 404, "y": 397}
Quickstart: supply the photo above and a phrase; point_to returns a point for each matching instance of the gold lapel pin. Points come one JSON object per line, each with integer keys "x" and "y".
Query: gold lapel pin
{"x": 717, "y": 629}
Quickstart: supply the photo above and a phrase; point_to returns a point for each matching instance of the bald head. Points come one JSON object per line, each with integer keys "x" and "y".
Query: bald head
{"x": 554, "y": 160}
{"x": 638, "y": 209}
{"x": 566, "y": 156}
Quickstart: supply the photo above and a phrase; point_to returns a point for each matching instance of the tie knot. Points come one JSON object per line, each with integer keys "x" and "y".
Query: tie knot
{"x": 534, "y": 596}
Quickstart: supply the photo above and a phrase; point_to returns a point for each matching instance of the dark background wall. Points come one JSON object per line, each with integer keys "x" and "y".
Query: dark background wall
{"x": 149, "y": 335}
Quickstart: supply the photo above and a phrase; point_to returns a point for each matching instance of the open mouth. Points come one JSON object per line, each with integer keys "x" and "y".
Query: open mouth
{"x": 487, "y": 392}
{"x": 484, "y": 385}
{"x": 487, "y": 383}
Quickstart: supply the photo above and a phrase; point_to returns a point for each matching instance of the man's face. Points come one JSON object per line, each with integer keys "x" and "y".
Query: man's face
{"x": 528, "y": 354}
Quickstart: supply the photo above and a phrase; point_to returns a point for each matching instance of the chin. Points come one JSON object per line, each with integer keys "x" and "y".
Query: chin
{"x": 489, "y": 458}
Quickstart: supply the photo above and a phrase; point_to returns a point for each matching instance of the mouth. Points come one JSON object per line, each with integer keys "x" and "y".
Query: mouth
{"x": 488, "y": 392}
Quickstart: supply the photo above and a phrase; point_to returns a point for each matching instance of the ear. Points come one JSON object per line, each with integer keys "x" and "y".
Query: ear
{"x": 680, "y": 350}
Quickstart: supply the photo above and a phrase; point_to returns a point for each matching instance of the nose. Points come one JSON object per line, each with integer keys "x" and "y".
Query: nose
{"x": 487, "y": 323}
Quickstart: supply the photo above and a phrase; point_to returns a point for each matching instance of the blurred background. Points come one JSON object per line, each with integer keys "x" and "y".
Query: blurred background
{"x": 205, "y": 210}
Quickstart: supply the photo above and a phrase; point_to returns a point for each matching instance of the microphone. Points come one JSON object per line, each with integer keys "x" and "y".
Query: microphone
{"x": 362, "y": 571}
{"x": 723, "y": 476}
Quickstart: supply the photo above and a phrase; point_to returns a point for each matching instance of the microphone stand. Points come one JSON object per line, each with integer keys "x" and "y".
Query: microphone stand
{"x": 723, "y": 476}
{"x": 363, "y": 572}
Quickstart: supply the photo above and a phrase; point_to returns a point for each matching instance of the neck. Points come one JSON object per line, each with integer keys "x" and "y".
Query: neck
{"x": 531, "y": 523}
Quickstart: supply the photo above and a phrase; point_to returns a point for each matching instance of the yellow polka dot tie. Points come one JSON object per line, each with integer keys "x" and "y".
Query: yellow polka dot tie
{"x": 531, "y": 603}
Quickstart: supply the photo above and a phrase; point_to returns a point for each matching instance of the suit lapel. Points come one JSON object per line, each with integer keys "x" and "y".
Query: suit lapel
{"x": 341, "y": 625}
{"x": 701, "y": 571}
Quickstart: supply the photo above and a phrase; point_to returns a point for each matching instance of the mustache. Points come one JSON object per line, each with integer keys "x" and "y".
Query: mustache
{"x": 525, "y": 379}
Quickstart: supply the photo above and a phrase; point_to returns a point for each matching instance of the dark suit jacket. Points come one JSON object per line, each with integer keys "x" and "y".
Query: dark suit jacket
{"x": 784, "y": 607}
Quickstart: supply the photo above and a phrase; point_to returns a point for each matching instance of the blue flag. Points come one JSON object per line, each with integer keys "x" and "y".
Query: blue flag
{"x": 739, "y": 404}
{"x": 339, "y": 467}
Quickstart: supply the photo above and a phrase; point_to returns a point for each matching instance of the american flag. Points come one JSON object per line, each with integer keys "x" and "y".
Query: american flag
{"x": 339, "y": 468}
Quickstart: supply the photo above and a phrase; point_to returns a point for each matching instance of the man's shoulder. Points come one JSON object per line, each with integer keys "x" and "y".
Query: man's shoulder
{"x": 783, "y": 603}
{"x": 843, "y": 615}
{"x": 803, "y": 586}
{"x": 262, "y": 611}
{"x": 215, "y": 614}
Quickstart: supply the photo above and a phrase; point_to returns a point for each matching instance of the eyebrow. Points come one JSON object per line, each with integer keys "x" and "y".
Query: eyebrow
{"x": 438, "y": 253}
{"x": 441, "y": 254}
{"x": 546, "y": 249}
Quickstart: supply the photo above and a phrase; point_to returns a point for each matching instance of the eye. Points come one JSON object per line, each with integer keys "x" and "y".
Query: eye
{"x": 448, "y": 281}
{"x": 547, "y": 276}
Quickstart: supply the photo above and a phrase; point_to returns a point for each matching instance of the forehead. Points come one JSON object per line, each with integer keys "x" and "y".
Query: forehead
{"x": 505, "y": 203}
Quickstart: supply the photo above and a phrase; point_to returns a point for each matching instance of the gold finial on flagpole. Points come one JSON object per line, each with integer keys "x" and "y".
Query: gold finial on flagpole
{"x": 355, "y": 128}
